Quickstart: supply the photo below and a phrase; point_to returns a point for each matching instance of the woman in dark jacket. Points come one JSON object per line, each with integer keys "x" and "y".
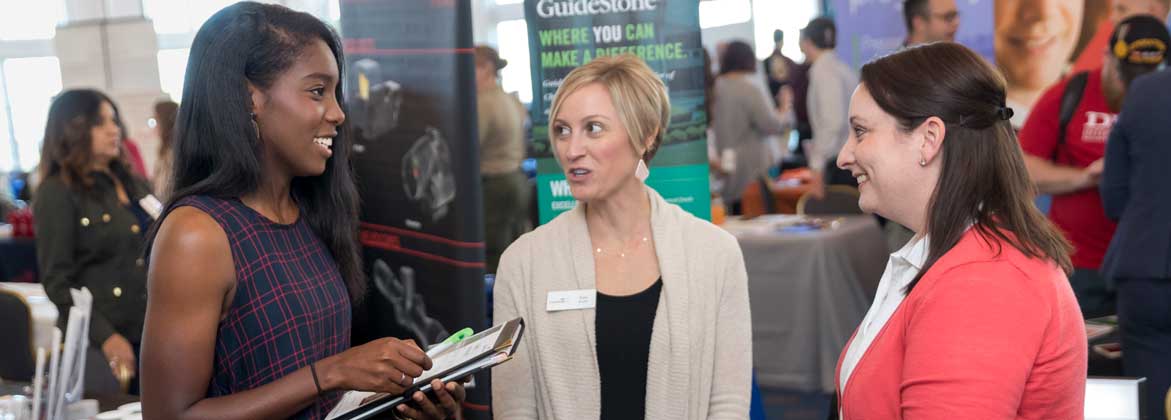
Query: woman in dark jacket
{"x": 91, "y": 223}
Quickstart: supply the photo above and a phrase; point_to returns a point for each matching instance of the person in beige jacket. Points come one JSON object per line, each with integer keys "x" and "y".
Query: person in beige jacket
{"x": 634, "y": 308}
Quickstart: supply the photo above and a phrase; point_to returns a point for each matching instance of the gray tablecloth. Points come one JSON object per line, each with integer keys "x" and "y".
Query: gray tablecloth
{"x": 808, "y": 291}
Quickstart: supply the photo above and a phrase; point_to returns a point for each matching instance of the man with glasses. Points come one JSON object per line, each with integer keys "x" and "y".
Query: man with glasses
{"x": 930, "y": 21}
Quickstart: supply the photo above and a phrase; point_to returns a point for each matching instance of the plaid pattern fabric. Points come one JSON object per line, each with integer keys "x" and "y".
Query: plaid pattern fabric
{"x": 291, "y": 306}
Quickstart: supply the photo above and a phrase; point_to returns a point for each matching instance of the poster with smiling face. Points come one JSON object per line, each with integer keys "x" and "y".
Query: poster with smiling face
{"x": 1032, "y": 42}
{"x": 1035, "y": 41}
{"x": 1038, "y": 43}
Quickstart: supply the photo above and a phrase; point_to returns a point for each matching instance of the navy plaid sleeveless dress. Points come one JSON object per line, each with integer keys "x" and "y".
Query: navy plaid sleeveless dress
{"x": 291, "y": 306}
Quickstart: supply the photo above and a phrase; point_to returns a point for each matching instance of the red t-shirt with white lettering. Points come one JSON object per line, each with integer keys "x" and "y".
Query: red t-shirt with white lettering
{"x": 1078, "y": 214}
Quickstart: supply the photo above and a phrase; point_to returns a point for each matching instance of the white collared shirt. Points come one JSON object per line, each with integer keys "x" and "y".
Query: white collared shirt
{"x": 901, "y": 269}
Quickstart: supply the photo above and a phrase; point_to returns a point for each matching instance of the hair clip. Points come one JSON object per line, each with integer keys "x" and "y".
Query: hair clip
{"x": 1005, "y": 113}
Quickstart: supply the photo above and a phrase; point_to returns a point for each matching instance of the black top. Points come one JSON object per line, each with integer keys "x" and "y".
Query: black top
{"x": 623, "y": 325}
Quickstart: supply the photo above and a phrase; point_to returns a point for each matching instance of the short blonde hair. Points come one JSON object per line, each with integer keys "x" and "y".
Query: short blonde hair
{"x": 637, "y": 94}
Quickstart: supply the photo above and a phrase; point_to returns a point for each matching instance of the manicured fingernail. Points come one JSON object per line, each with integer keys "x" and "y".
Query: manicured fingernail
{"x": 419, "y": 396}
{"x": 402, "y": 408}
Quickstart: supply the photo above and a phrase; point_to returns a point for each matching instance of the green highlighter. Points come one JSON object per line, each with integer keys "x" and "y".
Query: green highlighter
{"x": 451, "y": 341}
{"x": 459, "y": 336}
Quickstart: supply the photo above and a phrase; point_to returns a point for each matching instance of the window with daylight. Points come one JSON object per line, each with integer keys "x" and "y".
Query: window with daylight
{"x": 513, "y": 37}
{"x": 788, "y": 16}
{"x": 172, "y": 68}
{"x": 715, "y": 13}
{"x": 29, "y": 86}
{"x": 36, "y": 20}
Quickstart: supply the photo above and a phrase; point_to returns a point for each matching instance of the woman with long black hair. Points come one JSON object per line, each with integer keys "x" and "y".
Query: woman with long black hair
{"x": 254, "y": 265}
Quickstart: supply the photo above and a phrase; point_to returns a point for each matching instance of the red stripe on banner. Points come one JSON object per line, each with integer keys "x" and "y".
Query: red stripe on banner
{"x": 420, "y": 235}
{"x": 390, "y": 242}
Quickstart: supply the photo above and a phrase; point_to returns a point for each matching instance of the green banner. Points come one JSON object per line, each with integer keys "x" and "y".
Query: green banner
{"x": 565, "y": 34}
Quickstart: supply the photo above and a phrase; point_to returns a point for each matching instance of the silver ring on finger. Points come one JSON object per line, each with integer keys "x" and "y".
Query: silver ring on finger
{"x": 402, "y": 378}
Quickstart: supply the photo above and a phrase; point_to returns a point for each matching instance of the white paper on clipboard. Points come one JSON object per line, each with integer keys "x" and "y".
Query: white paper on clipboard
{"x": 353, "y": 399}
{"x": 481, "y": 351}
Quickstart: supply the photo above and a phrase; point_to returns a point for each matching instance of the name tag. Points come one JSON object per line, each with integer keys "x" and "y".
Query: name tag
{"x": 151, "y": 206}
{"x": 566, "y": 300}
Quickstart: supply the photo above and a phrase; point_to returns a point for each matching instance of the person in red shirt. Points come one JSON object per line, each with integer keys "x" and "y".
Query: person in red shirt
{"x": 134, "y": 156}
{"x": 1066, "y": 162}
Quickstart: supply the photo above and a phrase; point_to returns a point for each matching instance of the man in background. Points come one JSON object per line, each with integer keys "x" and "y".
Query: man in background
{"x": 1134, "y": 191}
{"x": 930, "y": 21}
{"x": 506, "y": 191}
{"x": 1064, "y": 149}
{"x": 782, "y": 71}
{"x": 831, "y": 82}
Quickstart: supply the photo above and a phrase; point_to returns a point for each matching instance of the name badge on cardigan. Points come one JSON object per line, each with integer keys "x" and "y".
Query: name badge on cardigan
{"x": 565, "y": 300}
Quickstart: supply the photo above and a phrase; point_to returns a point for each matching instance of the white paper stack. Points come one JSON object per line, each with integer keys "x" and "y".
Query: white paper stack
{"x": 66, "y": 361}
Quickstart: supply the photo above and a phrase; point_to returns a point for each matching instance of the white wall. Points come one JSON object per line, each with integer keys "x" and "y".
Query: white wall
{"x": 119, "y": 57}
{"x": 112, "y": 46}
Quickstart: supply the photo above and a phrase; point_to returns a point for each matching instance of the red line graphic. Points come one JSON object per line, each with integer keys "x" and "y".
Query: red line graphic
{"x": 420, "y": 235}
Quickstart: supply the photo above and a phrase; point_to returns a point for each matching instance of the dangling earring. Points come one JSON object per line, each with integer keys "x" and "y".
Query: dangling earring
{"x": 641, "y": 171}
{"x": 255, "y": 126}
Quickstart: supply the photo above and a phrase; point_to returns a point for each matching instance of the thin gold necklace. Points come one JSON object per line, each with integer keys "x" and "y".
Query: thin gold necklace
{"x": 622, "y": 251}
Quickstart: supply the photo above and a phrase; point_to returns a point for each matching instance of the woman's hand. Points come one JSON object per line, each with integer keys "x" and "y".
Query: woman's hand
{"x": 445, "y": 404}
{"x": 385, "y": 365}
{"x": 120, "y": 354}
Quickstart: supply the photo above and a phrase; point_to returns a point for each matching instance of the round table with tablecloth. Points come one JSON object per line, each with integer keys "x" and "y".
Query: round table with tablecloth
{"x": 809, "y": 288}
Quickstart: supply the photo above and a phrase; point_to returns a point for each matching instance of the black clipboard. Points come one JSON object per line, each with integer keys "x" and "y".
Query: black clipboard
{"x": 501, "y": 351}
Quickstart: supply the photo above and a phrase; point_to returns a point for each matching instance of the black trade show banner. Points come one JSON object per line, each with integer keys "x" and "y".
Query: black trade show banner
{"x": 565, "y": 34}
{"x": 410, "y": 94}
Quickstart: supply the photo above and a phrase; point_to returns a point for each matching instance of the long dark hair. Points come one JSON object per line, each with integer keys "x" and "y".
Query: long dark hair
{"x": 67, "y": 149}
{"x": 983, "y": 179}
{"x": 217, "y": 150}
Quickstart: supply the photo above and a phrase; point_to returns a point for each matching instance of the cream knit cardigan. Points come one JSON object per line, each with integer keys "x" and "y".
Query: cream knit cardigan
{"x": 700, "y": 362}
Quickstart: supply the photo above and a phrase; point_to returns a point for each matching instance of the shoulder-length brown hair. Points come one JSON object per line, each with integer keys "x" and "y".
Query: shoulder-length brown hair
{"x": 67, "y": 150}
{"x": 983, "y": 181}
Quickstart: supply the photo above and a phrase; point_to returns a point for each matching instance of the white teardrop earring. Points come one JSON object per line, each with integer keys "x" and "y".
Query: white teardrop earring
{"x": 641, "y": 171}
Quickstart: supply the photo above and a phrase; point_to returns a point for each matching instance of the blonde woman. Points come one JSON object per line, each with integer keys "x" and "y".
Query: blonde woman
{"x": 635, "y": 308}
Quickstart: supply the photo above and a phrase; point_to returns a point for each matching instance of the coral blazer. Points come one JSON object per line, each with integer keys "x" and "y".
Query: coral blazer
{"x": 988, "y": 333}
